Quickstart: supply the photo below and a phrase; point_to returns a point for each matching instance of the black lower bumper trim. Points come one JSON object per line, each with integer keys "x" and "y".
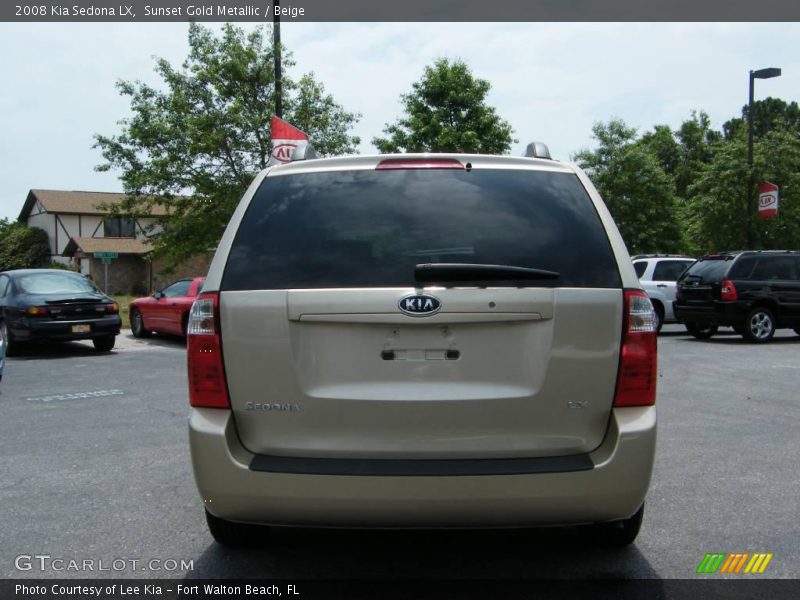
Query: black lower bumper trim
{"x": 422, "y": 467}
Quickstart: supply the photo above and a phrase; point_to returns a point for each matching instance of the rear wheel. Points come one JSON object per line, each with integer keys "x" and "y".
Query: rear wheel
{"x": 659, "y": 315}
{"x": 105, "y": 343}
{"x": 701, "y": 332}
{"x": 137, "y": 324}
{"x": 759, "y": 326}
{"x": 228, "y": 533}
{"x": 12, "y": 347}
{"x": 617, "y": 533}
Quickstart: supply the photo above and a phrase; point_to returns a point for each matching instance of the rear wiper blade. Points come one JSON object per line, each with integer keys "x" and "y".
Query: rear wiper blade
{"x": 443, "y": 272}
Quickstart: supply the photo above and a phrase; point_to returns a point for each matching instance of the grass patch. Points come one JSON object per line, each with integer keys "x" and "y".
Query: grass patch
{"x": 123, "y": 302}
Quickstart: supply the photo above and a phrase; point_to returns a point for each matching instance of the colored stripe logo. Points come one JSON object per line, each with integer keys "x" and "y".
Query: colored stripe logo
{"x": 735, "y": 563}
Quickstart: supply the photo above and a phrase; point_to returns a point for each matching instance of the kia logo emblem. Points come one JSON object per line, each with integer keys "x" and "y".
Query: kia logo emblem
{"x": 419, "y": 305}
{"x": 283, "y": 152}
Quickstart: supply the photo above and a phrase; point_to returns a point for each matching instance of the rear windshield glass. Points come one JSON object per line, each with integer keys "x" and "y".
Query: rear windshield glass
{"x": 54, "y": 283}
{"x": 670, "y": 270}
{"x": 709, "y": 270}
{"x": 370, "y": 228}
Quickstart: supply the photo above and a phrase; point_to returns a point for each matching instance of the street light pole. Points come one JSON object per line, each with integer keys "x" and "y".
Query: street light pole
{"x": 276, "y": 51}
{"x": 760, "y": 74}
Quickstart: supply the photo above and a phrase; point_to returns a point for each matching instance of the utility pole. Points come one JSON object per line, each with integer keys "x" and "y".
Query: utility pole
{"x": 276, "y": 51}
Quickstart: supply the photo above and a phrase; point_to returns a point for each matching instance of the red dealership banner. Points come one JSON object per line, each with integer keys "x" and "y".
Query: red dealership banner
{"x": 768, "y": 197}
{"x": 286, "y": 138}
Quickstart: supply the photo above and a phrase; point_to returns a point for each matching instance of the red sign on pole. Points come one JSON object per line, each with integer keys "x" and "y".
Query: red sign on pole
{"x": 767, "y": 200}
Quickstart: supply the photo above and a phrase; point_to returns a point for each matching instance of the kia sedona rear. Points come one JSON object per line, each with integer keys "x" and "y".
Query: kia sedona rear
{"x": 422, "y": 341}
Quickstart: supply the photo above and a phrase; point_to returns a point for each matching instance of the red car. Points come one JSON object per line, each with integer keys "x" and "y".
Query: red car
{"x": 166, "y": 311}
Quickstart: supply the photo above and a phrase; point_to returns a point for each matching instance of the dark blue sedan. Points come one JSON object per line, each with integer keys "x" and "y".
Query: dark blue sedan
{"x": 55, "y": 305}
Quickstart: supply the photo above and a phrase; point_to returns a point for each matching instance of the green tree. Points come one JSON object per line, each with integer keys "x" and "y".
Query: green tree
{"x": 768, "y": 114}
{"x": 22, "y": 247}
{"x": 446, "y": 111}
{"x": 638, "y": 192}
{"x": 717, "y": 214}
{"x": 195, "y": 144}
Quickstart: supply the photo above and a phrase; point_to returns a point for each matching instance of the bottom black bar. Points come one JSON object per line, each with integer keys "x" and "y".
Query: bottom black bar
{"x": 390, "y": 589}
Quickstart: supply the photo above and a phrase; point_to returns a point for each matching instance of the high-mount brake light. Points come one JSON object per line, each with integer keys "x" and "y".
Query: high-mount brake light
{"x": 727, "y": 291}
{"x": 401, "y": 164}
{"x": 638, "y": 369}
{"x": 207, "y": 384}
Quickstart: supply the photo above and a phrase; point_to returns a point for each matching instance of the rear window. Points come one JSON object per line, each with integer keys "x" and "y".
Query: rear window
{"x": 54, "y": 283}
{"x": 710, "y": 270}
{"x": 670, "y": 270}
{"x": 371, "y": 228}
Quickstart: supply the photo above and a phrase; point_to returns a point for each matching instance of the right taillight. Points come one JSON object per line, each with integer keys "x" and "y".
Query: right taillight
{"x": 727, "y": 291}
{"x": 638, "y": 370}
{"x": 207, "y": 385}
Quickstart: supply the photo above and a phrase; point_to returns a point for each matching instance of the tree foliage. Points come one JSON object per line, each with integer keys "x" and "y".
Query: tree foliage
{"x": 446, "y": 111}
{"x": 638, "y": 192}
{"x": 687, "y": 189}
{"x": 22, "y": 247}
{"x": 195, "y": 143}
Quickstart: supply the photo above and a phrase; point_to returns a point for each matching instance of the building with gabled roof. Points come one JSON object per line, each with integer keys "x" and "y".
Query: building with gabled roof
{"x": 79, "y": 225}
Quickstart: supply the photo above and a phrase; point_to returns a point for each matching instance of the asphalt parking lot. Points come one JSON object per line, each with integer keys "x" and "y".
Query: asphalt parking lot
{"x": 95, "y": 465}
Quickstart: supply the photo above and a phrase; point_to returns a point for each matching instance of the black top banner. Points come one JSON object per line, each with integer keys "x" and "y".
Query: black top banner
{"x": 402, "y": 11}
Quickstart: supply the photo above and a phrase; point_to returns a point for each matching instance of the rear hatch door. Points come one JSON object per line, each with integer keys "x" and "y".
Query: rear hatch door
{"x": 335, "y": 345}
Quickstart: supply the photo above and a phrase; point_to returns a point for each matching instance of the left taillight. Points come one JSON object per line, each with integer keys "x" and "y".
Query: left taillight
{"x": 727, "y": 291}
{"x": 207, "y": 385}
{"x": 37, "y": 311}
{"x": 638, "y": 368}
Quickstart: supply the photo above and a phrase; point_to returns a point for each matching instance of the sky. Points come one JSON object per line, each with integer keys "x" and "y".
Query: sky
{"x": 551, "y": 81}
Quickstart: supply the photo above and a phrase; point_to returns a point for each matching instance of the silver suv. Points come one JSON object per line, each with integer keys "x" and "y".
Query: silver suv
{"x": 420, "y": 341}
{"x": 658, "y": 274}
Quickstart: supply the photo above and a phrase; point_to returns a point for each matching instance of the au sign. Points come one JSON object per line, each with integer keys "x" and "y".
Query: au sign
{"x": 768, "y": 197}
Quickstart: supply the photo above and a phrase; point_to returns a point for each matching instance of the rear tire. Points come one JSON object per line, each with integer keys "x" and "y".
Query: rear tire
{"x": 701, "y": 332}
{"x": 228, "y": 533}
{"x": 759, "y": 326}
{"x": 105, "y": 343}
{"x": 12, "y": 347}
{"x": 659, "y": 310}
{"x": 616, "y": 534}
{"x": 137, "y": 324}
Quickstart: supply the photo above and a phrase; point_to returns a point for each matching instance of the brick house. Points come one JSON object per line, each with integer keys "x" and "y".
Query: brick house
{"x": 77, "y": 228}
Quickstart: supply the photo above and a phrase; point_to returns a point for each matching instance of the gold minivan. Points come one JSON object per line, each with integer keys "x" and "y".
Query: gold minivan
{"x": 422, "y": 340}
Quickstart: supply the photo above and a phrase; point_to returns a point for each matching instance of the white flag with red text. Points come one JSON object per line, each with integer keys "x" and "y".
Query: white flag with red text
{"x": 286, "y": 139}
{"x": 768, "y": 196}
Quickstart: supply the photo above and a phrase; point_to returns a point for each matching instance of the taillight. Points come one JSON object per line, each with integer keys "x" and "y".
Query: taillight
{"x": 638, "y": 370}
{"x": 207, "y": 385}
{"x": 36, "y": 311}
{"x": 727, "y": 291}
{"x": 112, "y": 308}
{"x": 399, "y": 164}
{"x": 678, "y": 292}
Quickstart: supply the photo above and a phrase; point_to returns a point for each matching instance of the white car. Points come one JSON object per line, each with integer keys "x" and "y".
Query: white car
{"x": 658, "y": 274}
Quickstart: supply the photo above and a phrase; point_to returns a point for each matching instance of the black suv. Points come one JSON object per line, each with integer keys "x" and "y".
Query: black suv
{"x": 755, "y": 292}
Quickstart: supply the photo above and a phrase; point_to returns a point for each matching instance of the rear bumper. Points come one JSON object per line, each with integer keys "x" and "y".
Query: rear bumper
{"x": 717, "y": 313}
{"x": 26, "y": 330}
{"x": 614, "y": 488}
